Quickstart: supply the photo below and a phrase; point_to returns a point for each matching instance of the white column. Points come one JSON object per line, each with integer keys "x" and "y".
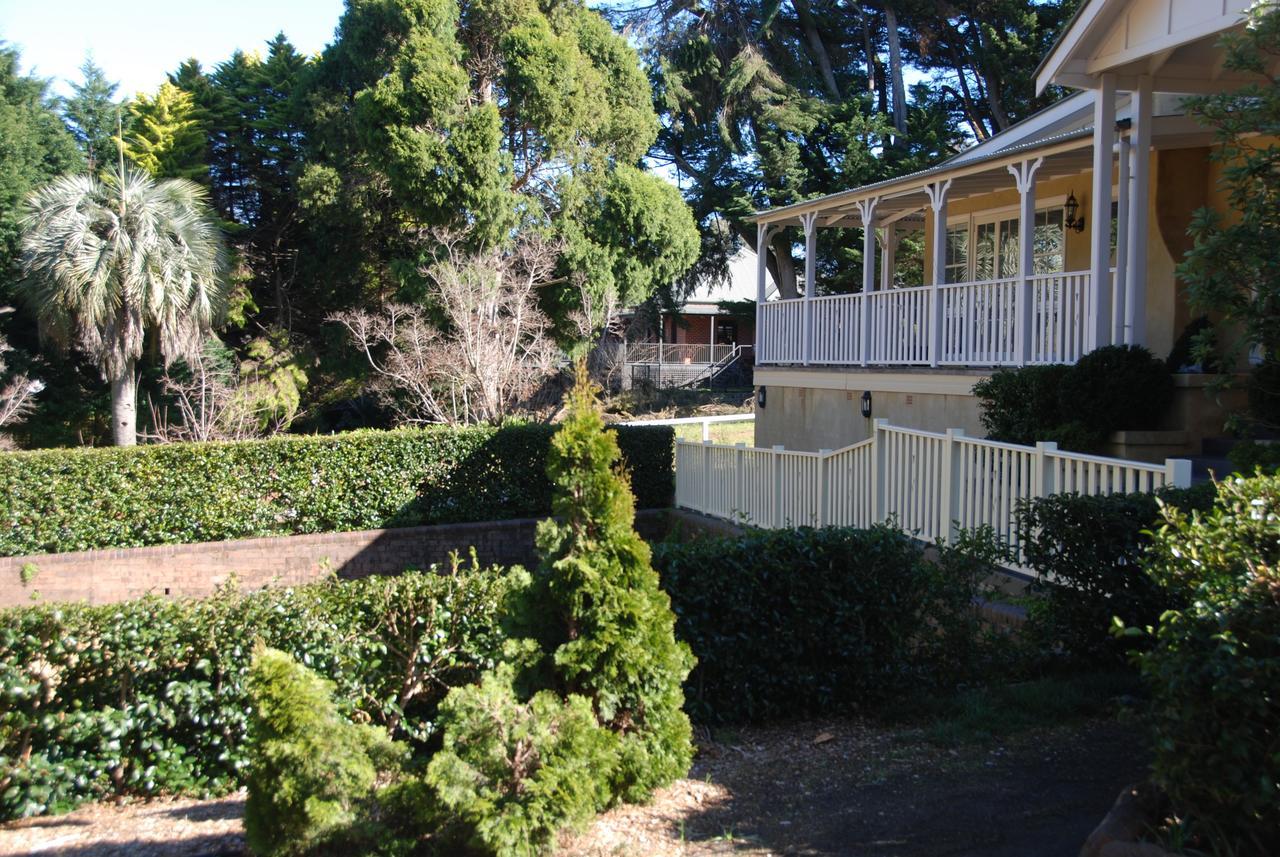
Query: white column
{"x": 763, "y": 344}
{"x": 1104, "y": 137}
{"x": 1136, "y": 277}
{"x": 810, "y": 224}
{"x": 867, "y": 212}
{"x": 1120, "y": 324}
{"x": 1024, "y": 175}
{"x": 937, "y": 193}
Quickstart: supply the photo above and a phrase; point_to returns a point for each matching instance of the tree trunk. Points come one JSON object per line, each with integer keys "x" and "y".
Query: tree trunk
{"x": 895, "y": 71}
{"x": 819, "y": 50}
{"x": 124, "y": 407}
{"x": 784, "y": 267}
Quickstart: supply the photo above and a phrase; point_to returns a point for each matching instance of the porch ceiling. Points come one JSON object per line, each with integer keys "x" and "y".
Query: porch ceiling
{"x": 903, "y": 200}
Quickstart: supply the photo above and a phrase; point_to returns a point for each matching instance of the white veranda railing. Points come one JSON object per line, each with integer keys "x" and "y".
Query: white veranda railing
{"x": 1044, "y": 318}
{"x": 933, "y": 485}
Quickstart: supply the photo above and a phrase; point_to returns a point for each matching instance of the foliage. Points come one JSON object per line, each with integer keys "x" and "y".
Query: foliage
{"x": 310, "y": 769}
{"x": 602, "y": 618}
{"x": 1109, "y": 389}
{"x": 1214, "y": 670}
{"x": 17, "y": 392}
{"x": 92, "y": 114}
{"x": 1087, "y": 552}
{"x": 150, "y": 696}
{"x": 800, "y": 622}
{"x": 516, "y": 115}
{"x": 490, "y": 355}
{"x": 64, "y": 500}
{"x": 165, "y": 137}
{"x": 517, "y": 772}
{"x": 1249, "y": 457}
{"x": 1232, "y": 270}
{"x": 109, "y": 261}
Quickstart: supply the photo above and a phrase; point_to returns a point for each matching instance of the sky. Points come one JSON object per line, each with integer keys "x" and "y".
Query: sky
{"x": 137, "y": 42}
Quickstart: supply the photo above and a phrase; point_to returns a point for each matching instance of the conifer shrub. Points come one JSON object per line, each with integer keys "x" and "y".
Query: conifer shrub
{"x": 517, "y": 772}
{"x": 1214, "y": 668}
{"x": 312, "y": 772}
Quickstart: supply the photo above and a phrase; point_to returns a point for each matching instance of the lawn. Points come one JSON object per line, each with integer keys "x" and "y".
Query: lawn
{"x": 735, "y": 432}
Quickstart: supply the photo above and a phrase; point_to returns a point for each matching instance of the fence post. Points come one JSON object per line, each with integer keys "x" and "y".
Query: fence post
{"x": 824, "y": 488}
{"x": 1042, "y": 484}
{"x": 706, "y": 430}
{"x": 950, "y": 484}
{"x": 706, "y": 478}
{"x": 1177, "y": 472}
{"x": 738, "y": 449}
{"x": 879, "y": 453}
{"x": 775, "y": 516}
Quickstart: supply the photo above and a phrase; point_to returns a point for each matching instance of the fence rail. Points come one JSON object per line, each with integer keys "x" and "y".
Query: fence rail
{"x": 1013, "y": 321}
{"x": 933, "y": 485}
{"x": 686, "y": 353}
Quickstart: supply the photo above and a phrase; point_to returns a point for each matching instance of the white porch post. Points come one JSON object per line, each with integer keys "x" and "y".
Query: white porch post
{"x": 810, "y": 223}
{"x": 1024, "y": 176}
{"x": 1104, "y": 137}
{"x": 937, "y": 193}
{"x": 1121, "y": 331}
{"x": 763, "y": 348}
{"x": 867, "y": 211}
{"x": 1136, "y": 277}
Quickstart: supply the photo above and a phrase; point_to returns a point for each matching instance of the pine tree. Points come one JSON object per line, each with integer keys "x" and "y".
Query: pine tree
{"x": 92, "y": 113}
{"x": 613, "y": 636}
{"x": 165, "y": 137}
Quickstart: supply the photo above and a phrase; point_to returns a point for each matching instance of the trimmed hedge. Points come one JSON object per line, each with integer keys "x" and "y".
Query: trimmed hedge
{"x": 789, "y": 623}
{"x": 67, "y": 500}
{"x": 150, "y": 696}
{"x": 1088, "y": 552}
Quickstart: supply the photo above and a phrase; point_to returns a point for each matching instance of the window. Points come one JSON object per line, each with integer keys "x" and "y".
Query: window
{"x": 1049, "y": 250}
{"x": 994, "y": 252}
{"x": 957, "y": 256}
{"x": 726, "y": 333}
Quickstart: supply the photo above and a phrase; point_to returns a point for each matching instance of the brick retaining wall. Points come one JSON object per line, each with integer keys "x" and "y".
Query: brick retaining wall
{"x": 194, "y": 570}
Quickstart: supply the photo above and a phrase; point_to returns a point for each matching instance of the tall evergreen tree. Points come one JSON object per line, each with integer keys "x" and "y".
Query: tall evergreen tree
{"x": 500, "y": 115}
{"x": 92, "y": 113}
{"x": 165, "y": 137}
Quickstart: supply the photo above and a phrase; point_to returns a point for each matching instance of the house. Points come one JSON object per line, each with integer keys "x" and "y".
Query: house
{"x": 1020, "y": 265}
{"x": 709, "y": 338}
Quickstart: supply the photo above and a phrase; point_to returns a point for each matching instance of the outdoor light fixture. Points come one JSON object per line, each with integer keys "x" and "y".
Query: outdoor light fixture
{"x": 760, "y": 396}
{"x": 866, "y": 404}
{"x": 1069, "y": 210}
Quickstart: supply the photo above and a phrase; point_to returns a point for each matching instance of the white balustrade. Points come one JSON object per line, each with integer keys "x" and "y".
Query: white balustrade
{"x": 978, "y": 321}
{"x": 931, "y": 485}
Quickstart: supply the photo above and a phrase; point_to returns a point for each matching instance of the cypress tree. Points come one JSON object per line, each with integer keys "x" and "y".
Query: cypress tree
{"x": 612, "y": 631}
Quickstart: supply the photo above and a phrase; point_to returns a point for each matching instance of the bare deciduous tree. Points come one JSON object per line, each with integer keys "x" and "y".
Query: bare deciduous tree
{"x": 17, "y": 396}
{"x": 492, "y": 353}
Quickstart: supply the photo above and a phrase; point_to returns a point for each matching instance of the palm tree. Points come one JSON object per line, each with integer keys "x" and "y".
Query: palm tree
{"x": 114, "y": 259}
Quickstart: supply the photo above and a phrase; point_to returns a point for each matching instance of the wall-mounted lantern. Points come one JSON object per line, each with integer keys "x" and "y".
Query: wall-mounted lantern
{"x": 760, "y": 397}
{"x": 866, "y": 404}
{"x": 1070, "y": 212}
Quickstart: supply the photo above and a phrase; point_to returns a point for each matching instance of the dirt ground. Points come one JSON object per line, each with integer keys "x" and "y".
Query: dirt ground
{"x": 814, "y": 788}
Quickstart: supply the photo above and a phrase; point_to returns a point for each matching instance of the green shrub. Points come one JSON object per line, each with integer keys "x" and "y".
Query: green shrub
{"x": 1214, "y": 671}
{"x": 149, "y": 696}
{"x": 311, "y": 773}
{"x": 1248, "y": 457}
{"x": 1018, "y": 405}
{"x": 1116, "y": 387}
{"x": 517, "y": 772}
{"x": 67, "y": 500}
{"x": 789, "y": 623}
{"x": 1109, "y": 389}
{"x": 1087, "y": 552}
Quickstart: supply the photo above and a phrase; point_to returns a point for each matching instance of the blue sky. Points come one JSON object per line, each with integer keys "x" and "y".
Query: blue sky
{"x": 138, "y": 41}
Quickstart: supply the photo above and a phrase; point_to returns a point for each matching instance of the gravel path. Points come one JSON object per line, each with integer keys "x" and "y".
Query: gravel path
{"x": 815, "y": 788}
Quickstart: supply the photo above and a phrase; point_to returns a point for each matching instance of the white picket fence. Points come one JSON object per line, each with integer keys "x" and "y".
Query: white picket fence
{"x": 933, "y": 485}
